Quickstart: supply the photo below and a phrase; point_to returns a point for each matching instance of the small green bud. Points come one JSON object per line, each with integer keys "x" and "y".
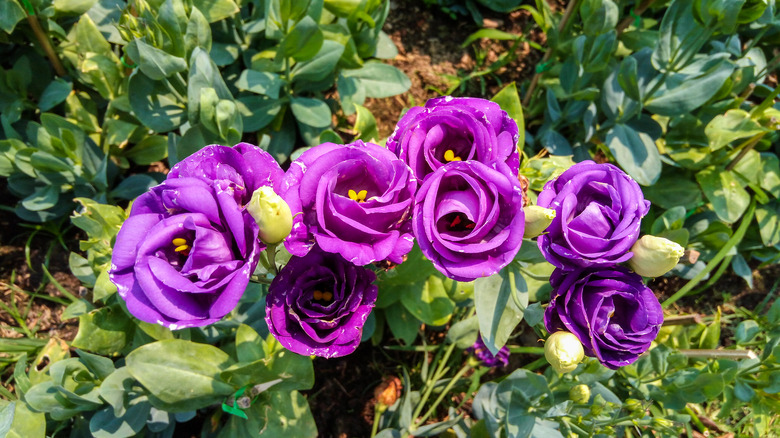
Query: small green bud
{"x": 654, "y": 256}
{"x": 662, "y": 422}
{"x": 564, "y": 351}
{"x": 537, "y": 219}
{"x": 272, "y": 214}
{"x": 635, "y": 407}
{"x": 579, "y": 394}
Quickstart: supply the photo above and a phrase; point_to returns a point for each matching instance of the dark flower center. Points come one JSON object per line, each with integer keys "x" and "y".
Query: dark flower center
{"x": 326, "y": 296}
{"x": 458, "y": 222}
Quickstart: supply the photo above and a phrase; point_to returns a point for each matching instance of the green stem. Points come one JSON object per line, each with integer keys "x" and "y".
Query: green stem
{"x": 746, "y": 147}
{"x": 527, "y": 350}
{"x": 271, "y": 250}
{"x": 377, "y": 416}
{"x": 43, "y": 40}
{"x": 441, "y": 396}
{"x": 719, "y": 354}
{"x": 735, "y": 238}
{"x": 441, "y": 369}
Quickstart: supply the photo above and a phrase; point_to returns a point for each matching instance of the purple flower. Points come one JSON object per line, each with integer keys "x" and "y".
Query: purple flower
{"x": 598, "y": 212}
{"x": 355, "y": 200}
{"x": 483, "y": 354}
{"x": 318, "y": 303}
{"x": 468, "y": 219}
{"x": 455, "y": 129}
{"x": 185, "y": 254}
{"x": 610, "y": 310}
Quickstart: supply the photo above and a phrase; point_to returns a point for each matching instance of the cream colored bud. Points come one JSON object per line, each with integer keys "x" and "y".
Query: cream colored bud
{"x": 579, "y": 394}
{"x": 272, "y": 214}
{"x": 654, "y": 256}
{"x": 564, "y": 351}
{"x": 537, "y": 219}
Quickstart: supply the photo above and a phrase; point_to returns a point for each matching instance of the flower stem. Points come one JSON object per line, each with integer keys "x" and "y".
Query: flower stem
{"x": 444, "y": 392}
{"x": 271, "y": 250}
{"x": 43, "y": 39}
{"x": 377, "y": 416}
{"x": 441, "y": 369}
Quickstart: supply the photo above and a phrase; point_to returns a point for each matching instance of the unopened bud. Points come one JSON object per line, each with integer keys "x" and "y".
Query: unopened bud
{"x": 662, "y": 422}
{"x": 564, "y": 351}
{"x": 272, "y": 214}
{"x": 654, "y": 256}
{"x": 388, "y": 391}
{"x": 635, "y": 407}
{"x": 579, "y": 394}
{"x": 537, "y": 219}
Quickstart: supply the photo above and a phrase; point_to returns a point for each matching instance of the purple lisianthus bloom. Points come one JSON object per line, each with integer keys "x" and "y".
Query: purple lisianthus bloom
{"x": 318, "y": 304}
{"x": 455, "y": 129}
{"x": 598, "y": 212}
{"x": 468, "y": 219}
{"x": 184, "y": 255}
{"x": 610, "y": 310}
{"x": 483, "y": 354}
{"x": 355, "y": 200}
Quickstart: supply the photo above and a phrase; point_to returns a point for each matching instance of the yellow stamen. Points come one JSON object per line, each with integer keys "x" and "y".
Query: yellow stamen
{"x": 357, "y": 196}
{"x": 179, "y": 241}
{"x": 449, "y": 155}
{"x": 182, "y": 248}
{"x": 327, "y": 296}
{"x": 317, "y": 295}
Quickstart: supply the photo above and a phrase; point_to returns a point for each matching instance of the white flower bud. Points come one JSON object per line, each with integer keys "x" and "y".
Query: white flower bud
{"x": 272, "y": 214}
{"x": 564, "y": 351}
{"x": 537, "y": 219}
{"x": 654, "y": 256}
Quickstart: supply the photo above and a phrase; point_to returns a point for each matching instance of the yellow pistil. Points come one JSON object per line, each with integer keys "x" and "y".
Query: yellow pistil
{"x": 449, "y": 155}
{"x": 359, "y": 196}
{"x": 322, "y": 296}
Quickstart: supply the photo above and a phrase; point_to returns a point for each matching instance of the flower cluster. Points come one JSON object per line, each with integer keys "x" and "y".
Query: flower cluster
{"x": 448, "y": 178}
{"x": 598, "y": 211}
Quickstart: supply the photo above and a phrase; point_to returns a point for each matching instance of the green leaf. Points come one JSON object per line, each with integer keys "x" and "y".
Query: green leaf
{"x": 153, "y": 62}
{"x": 403, "y": 324}
{"x": 734, "y": 125}
{"x": 198, "y": 33}
{"x": 365, "y": 125}
{"x": 303, "y": 41}
{"x": 746, "y": 331}
{"x": 147, "y": 151}
{"x": 103, "y": 331}
{"x": 134, "y": 186}
{"x": 154, "y": 104}
{"x": 683, "y": 92}
{"x": 42, "y": 199}
{"x": 464, "y": 333}
{"x": 203, "y": 74}
{"x": 260, "y": 82}
{"x": 311, "y": 112}
{"x": 500, "y": 301}
{"x": 183, "y": 375}
{"x": 10, "y": 14}
{"x": 380, "y": 80}
{"x": 429, "y": 302}
{"x": 322, "y": 65}
{"x": 768, "y": 218}
{"x": 723, "y": 190}
{"x": 25, "y": 423}
{"x": 215, "y": 10}
{"x": 274, "y": 414}
{"x": 681, "y": 37}
{"x": 770, "y": 173}
{"x": 636, "y": 153}
{"x": 628, "y": 78}
{"x": 257, "y": 111}
{"x": 104, "y": 424}
{"x": 249, "y": 344}
{"x": 73, "y": 7}
{"x": 351, "y": 93}
{"x": 673, "y": 190}
{"x": 294, "y": 371}
{"x": 598, "y": 16}
{"x": 493, "y": 34}
{"x": 54, "y": 94}
{"x": 710, "y": 338}
{"x": 509, "y": 100}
